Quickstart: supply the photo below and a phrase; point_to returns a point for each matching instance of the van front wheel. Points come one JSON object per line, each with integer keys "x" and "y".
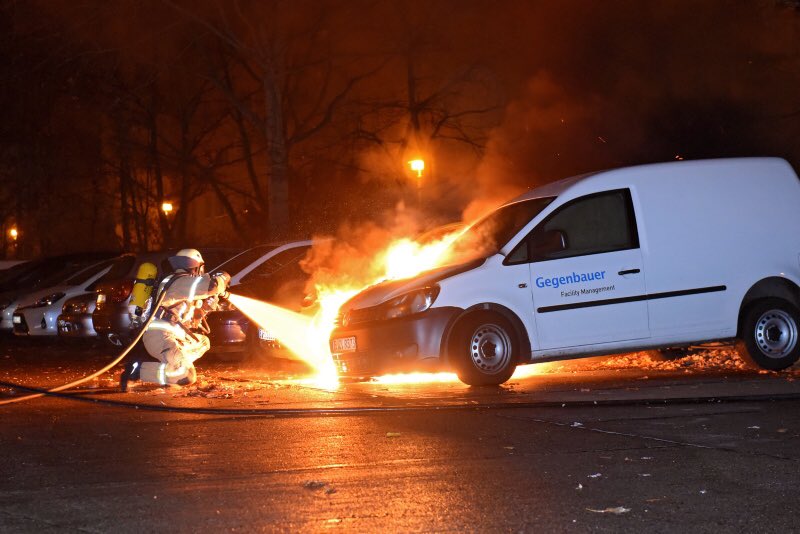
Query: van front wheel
{"x": 484, "y": 351}
{"x": 770, "y": 334}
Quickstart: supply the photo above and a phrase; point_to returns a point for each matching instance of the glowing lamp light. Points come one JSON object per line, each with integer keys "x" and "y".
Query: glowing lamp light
{"x": 166, "y": 207}
{"x": 417, "y": 165}
{"x": 14, "y": 233}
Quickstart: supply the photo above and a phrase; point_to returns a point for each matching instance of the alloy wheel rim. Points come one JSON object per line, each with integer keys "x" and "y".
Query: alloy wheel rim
{"x": 490, "y": 348}
{"x": 776, "y": 333}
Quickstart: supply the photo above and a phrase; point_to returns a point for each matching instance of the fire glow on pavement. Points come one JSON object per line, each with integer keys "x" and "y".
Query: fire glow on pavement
{"x": 524, "y": 371}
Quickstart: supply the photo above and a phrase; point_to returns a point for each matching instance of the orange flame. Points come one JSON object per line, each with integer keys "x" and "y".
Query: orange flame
{"x": 403, "y": 258}
{"x": 307, "y": 337}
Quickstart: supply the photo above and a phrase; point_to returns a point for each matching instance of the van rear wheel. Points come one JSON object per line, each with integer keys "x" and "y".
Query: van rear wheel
{"x": 770, "y": 334}
{"x": 485, "y": 350}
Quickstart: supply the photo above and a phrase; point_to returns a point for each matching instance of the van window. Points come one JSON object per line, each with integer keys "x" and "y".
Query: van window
{"x": 594, "y": 224}
{"x": 487, "y": 236}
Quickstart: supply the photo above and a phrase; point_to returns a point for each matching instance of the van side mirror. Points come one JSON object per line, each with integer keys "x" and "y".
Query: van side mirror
{"x": 548, "y": 242}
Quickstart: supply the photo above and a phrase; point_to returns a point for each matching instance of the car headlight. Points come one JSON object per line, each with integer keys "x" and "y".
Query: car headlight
{"x": 49, "y": 300}
{"x": 413, "y": 302}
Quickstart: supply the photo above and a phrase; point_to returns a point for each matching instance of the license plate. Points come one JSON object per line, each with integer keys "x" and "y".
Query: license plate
{"x": 17, "y": 319}
{"x": 265, "y": 335}
{"x": 343, "y": 344}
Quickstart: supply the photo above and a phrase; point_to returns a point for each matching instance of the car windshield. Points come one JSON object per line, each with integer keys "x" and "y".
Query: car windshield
{"x": 83, "y": 276}
{"x": 58, "y": 276}
{"x": 237, "y": 263}
{"x": 11, "y": 275}
{"x": 487, "y": 236}
{"x": 120, "y": 268}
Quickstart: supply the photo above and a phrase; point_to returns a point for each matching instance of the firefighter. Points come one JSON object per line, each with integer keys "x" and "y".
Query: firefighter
{"x": 173, "y": 336}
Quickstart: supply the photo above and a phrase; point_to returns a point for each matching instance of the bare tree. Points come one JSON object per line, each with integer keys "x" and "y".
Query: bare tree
{"x": 279, "y": 67}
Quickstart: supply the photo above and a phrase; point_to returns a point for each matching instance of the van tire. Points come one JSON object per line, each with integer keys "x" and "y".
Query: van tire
{"x": 484, "y": 350}
{"x": 769, "y": 334}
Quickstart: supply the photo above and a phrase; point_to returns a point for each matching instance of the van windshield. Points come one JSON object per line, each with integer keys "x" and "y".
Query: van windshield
{"x": 487, "y": 236}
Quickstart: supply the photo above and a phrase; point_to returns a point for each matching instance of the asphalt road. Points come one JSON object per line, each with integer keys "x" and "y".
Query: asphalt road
{"x": 405, "y": 457}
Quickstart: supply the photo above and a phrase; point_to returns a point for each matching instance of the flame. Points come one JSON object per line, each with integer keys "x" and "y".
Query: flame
{"x": 406, "y": 258}
{"x": 416, "y": 378}
{"x": 524, "y": 371}
{"x": 307, "y": 337}
{"x": 403, "y": 258}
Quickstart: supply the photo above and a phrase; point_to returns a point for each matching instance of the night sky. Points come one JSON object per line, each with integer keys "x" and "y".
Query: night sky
{"x": 264, "y": 120}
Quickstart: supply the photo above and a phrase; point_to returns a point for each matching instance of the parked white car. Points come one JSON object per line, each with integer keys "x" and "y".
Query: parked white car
{"x": 654, "y": 256}
{"x": 36, "y": 313}
{"x": 250, "y": 261}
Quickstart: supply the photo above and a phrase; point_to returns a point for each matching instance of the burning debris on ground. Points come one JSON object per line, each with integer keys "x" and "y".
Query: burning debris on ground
{"x": 694, "y": 360}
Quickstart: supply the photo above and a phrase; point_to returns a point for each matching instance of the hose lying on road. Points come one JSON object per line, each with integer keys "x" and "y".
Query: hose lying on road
{"x": 111, "y": 365}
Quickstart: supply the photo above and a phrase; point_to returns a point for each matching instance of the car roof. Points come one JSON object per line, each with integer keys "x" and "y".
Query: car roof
{"x": 51, "y": 270}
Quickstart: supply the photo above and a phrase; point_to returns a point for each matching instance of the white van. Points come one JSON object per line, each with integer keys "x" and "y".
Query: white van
{"x": 653, "y": 256}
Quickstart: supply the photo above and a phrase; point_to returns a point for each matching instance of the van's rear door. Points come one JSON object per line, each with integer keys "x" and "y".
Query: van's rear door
{"x": 589, "y": 286}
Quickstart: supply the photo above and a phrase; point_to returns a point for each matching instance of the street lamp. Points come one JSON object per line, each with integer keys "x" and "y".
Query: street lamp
{"x": 166, "y": 207}
{"x": 417, "y": 165}
{"x": 14, "y": 233}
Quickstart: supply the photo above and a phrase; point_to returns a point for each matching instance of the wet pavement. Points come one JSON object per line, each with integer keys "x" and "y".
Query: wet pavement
{"x": 611, "y": 444}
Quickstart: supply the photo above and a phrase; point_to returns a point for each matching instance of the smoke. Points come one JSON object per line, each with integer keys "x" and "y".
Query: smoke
{"x": 622, "y": 83}
{"x": 350, "y": 257}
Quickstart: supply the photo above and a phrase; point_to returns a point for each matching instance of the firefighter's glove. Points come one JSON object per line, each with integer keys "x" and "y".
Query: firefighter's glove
{"x": 220, "y": 280}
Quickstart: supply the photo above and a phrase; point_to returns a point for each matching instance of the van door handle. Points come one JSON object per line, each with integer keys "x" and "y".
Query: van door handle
{"x": 629, "y": 271}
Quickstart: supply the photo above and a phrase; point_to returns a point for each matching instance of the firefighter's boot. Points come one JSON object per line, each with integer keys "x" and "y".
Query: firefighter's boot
{"x": 131, "y": 372}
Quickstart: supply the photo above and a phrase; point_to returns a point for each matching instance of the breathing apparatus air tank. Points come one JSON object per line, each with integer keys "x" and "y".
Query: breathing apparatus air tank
{"x": 142, "y": 291}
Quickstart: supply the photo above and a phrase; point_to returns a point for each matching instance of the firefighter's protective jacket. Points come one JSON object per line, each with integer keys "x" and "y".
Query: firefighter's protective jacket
{"x": 169, "y": 337}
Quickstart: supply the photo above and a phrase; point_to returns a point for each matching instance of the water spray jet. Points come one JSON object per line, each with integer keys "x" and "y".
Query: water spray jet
{"x": 304, "y": 337}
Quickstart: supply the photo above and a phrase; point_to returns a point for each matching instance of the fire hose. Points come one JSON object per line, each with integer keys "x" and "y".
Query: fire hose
{"x": 111, "y": 365}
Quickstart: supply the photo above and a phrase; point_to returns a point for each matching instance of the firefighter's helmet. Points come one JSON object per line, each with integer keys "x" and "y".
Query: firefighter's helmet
{"x": 188, "y": 259}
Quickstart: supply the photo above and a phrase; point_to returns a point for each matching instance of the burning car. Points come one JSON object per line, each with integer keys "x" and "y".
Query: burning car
{"x": 559, "y": 273}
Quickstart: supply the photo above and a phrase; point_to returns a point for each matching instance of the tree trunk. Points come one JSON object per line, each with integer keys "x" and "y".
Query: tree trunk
{"x": 278, "y": 171}
{"x": 158, "y": 175}
{"x": 238, "y": 230}
{"x": 124, "y": 180}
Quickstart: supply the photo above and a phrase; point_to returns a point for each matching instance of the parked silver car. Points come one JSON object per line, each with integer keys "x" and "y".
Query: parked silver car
{"x": 38, "y": 311}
